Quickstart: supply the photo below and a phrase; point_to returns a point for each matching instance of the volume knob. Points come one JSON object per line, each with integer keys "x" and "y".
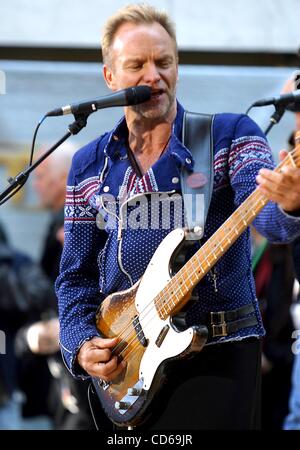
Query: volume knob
{"x": 133, "y": 392}
{"x": 122, "y": 406}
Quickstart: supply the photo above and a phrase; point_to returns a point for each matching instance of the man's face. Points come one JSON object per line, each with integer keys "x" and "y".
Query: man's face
{"x": 49, "y": 185}
{"x": 145, "y": 55}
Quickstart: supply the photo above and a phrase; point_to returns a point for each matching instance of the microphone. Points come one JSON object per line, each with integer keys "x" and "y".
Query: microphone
{"x": 125, "y": 97}
{"x": 282, "y": 100}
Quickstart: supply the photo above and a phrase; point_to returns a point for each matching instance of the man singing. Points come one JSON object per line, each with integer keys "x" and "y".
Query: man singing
{"x": 219, "y": 387}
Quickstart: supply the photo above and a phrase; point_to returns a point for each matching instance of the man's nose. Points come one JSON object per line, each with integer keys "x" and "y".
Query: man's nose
{"x": 151, "y": 75}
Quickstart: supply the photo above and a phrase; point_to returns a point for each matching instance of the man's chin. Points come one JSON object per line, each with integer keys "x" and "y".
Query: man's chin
{"x": 155, "y": 112}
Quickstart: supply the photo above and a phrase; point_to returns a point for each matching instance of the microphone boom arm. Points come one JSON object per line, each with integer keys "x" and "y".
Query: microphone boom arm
{"x": 19, "y": 180}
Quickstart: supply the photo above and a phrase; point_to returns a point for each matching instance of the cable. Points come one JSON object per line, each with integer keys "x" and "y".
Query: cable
{"x": 10, "y": 179}
{"x": 91, "y": 408}
{"x": 34, "y": 138}
{"x": 249, "y": 109}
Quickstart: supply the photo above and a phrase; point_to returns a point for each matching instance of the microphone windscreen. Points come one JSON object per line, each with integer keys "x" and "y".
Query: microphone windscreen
{"x": 294, "y": 107}
{"x": 138, "y": 94}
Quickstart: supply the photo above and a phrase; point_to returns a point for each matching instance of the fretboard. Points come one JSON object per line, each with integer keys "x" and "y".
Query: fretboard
{"x": 173, "y": 295}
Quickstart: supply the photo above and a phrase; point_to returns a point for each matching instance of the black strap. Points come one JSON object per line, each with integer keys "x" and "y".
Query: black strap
{"x": 227, "y": 328}
{"x": 198, "y": 138}
{"x": 218, "y": 317}
{"x": 223, "y": 323}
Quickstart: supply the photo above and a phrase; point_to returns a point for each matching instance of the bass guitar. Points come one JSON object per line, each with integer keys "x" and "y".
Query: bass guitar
{"x": 142, "y": 316}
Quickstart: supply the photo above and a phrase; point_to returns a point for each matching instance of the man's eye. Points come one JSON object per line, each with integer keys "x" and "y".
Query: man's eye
{"x": 165, "y": 64}
{"x": 135, "y": 66}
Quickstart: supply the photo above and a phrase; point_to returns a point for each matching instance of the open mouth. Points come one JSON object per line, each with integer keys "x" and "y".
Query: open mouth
{"x": 157, "y": 93}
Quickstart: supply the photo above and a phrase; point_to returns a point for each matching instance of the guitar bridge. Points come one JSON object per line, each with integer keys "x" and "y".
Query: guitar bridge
{"x": 132, "y": 396}
{"x": 139, "y": 331}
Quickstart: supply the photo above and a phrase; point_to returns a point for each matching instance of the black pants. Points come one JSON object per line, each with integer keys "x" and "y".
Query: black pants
{"x": 217, "y": 389}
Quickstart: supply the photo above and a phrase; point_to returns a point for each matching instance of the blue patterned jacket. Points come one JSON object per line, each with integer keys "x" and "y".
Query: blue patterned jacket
{"x": 97, "y": 262}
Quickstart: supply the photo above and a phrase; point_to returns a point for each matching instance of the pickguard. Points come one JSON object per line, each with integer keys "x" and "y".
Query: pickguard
{"x": 173, "y": 343}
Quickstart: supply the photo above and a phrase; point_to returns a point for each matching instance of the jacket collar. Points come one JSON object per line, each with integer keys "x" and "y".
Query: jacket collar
{"x": 118, "y": 140}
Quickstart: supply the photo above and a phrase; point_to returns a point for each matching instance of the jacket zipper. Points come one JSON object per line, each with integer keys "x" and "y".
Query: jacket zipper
{"x": 120, "y": 230}
{"x": 214, "y": 278}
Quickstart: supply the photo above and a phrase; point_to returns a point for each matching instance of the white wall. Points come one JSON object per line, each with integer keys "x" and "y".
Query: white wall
{"x": 33, "y": 88}
{"x": 271, "y": 25}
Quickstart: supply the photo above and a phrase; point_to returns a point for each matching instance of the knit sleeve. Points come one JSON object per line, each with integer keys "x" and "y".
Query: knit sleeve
{"x": 77, "y": 286}
{"x": 248, "y": 154}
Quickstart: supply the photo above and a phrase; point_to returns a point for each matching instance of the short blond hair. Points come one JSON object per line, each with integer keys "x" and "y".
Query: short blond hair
{"x": 139, "y": 13}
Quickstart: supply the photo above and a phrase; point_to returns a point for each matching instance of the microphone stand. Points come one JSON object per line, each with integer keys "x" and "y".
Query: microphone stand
{"x": 19, "y": 180}
{"x": 276, "y": 117}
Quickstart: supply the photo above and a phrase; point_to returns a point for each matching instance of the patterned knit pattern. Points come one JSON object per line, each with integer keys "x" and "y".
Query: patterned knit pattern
{"x": 97, "y": 262}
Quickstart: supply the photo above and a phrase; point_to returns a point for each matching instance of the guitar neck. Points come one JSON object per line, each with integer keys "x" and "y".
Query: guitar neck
{"x": 174, "y": 295}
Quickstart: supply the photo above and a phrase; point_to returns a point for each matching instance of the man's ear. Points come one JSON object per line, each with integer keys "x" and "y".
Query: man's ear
{"x": 109, "y": 78}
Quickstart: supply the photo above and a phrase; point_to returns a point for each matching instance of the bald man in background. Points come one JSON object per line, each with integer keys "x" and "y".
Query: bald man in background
{"x": 50, "y": 180}
{"x": 68, "y": 397}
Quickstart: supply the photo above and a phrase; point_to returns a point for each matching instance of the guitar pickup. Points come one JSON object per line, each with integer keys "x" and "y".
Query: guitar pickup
{"x": 162, "y": 335}
{"x": 139, "y": 332}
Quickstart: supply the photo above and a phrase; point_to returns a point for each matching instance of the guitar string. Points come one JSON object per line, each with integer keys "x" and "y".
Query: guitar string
{"x": 134, "y": 343}
{"x": 134, "y": 338}
{"x": 175, "y": 292}
{"x": 167, "y": 288}
{"x": 166, "y": 292}
{"x": 134, "y": 346}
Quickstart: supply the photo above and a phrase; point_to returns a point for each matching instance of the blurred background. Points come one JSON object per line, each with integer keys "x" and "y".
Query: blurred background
{"x": 232, "y": 53}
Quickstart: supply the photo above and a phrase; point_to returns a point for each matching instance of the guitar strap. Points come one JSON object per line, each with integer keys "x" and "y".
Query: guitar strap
{"x": 197, "y": 186}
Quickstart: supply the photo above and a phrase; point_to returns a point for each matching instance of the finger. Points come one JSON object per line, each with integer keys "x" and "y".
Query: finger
{"x": 91, "y": 355}
{"x": 275, "y": 183}
{"x": 103, "y": 342}
{"x": 289, "y": 200}
{"x": 271, "y": 196}
{"x": 283, "y": 154}
{"x": 106, "y": 368}
{"x": 109, "y": 374}
{"x": 287, "y": 176}
{"x": 272, "y": 185}
{"x": 270, "y": 175}
{"x": 118, "y": 371}
{"x": 99, "y": 368}
{"x": 272, "y": 191}
{"x": 95, "y": 355}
